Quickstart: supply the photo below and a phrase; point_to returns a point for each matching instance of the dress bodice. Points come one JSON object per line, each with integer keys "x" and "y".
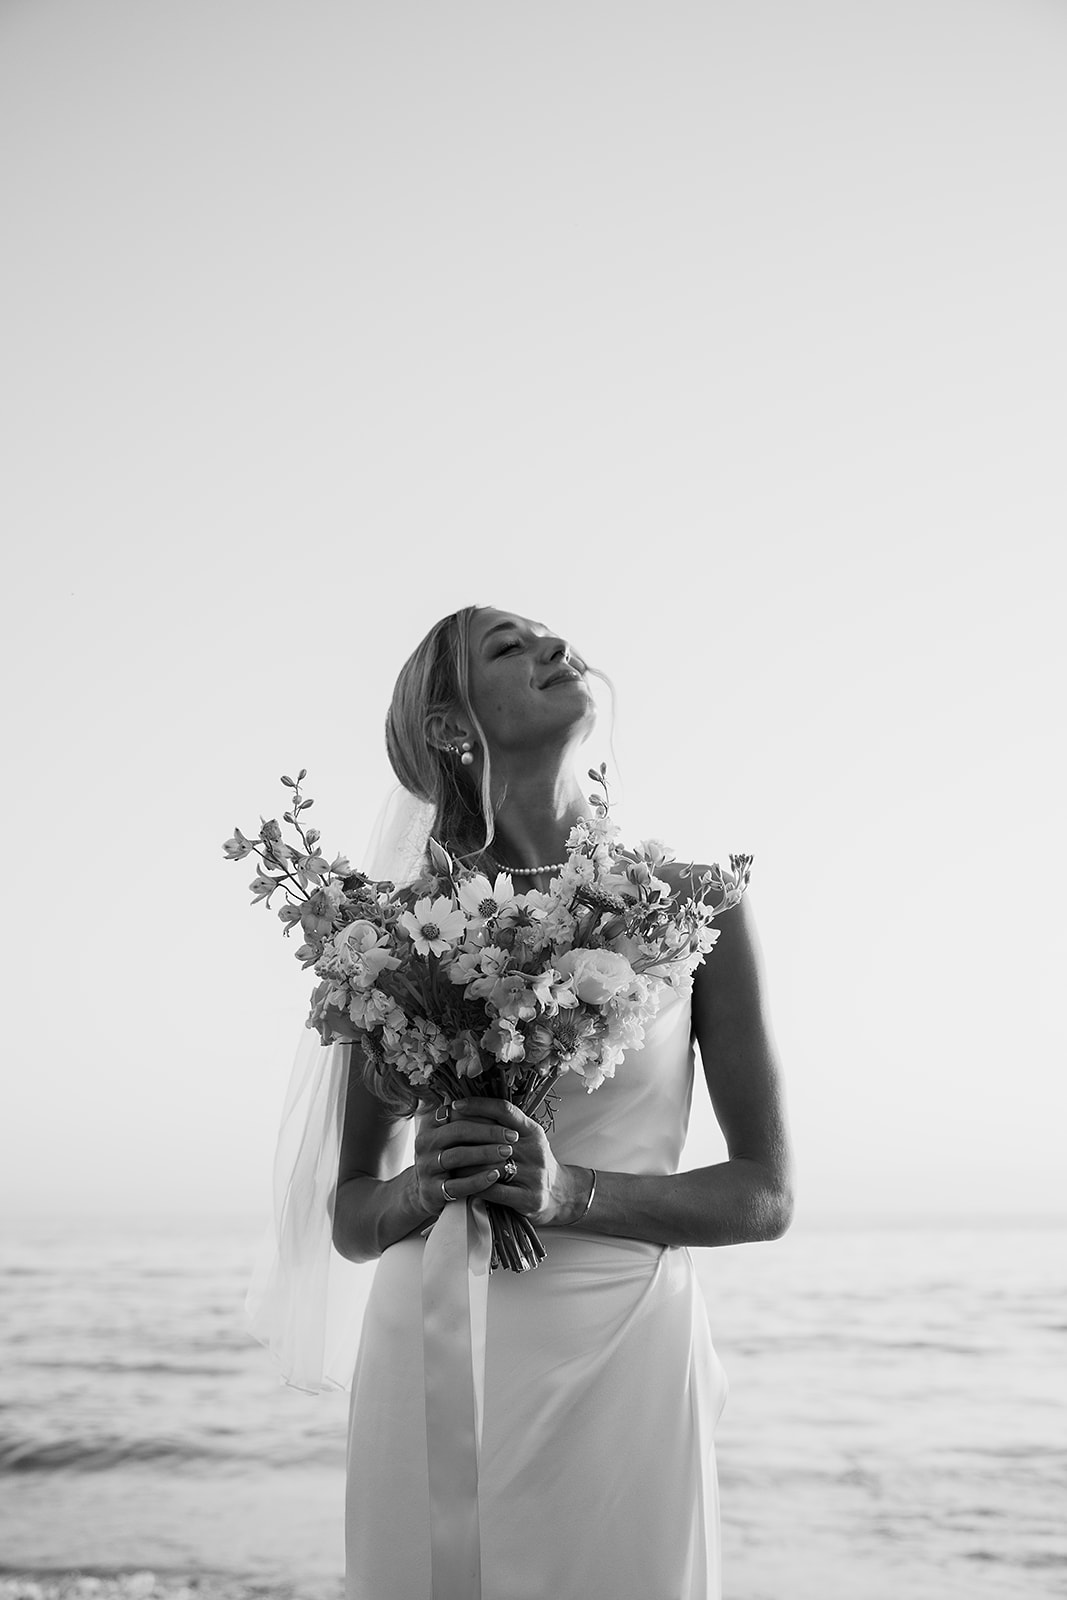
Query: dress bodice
{"x": 636, "y": 1121}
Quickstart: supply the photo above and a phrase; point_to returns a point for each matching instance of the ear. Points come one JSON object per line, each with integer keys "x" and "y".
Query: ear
{"x": 443, "y": 730}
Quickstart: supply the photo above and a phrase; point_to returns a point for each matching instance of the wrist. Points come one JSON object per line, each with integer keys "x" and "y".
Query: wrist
{"x": 404, "y": 1213}
{"x": 582, "y": 1187}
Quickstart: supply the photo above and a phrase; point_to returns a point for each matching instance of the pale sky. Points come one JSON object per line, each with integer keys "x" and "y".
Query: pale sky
{"x": 730, "y": 340}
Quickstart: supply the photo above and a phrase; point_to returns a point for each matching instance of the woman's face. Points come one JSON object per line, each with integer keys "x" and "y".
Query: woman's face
{"x": 526, "y": 684}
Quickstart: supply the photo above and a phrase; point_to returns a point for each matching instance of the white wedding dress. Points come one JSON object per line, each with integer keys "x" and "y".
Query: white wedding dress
{"x": 602, "y": 1388}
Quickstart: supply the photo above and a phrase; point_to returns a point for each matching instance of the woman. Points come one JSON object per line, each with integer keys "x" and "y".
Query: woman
{"x": 602, "y": 1389}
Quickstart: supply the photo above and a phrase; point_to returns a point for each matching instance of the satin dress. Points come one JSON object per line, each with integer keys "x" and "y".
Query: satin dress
{"x": 602, "y": 1388}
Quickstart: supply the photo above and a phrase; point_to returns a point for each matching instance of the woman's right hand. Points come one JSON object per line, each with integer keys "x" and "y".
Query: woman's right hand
{"x": 467, "y": 1155}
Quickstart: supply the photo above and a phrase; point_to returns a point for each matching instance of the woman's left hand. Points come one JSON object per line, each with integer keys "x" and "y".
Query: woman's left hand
{"x": 542, "y": 1189}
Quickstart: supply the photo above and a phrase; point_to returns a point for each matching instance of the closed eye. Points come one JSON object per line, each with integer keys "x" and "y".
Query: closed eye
{"x": 514, "y": 645}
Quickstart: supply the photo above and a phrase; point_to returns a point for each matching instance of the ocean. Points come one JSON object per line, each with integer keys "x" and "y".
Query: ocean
{"x": 897, "y": 1419}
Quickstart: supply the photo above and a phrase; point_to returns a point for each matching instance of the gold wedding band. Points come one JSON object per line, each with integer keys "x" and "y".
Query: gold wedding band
{"x": 443, "y": 1114}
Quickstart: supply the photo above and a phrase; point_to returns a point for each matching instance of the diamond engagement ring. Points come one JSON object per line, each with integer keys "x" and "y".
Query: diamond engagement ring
{"x": 508, "y": 1172}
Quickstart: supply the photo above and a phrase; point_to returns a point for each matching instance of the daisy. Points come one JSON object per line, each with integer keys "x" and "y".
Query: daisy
{"x": 434, "y": 926}
{"x": 484, "y": 901}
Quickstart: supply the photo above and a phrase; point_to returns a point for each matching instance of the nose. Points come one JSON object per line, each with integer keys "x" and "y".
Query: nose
{"x": 560, "y": 651}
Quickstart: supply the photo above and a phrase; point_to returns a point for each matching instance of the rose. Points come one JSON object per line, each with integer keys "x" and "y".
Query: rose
{"x": 597, "y": 975}
{"x": 362, "y": 953}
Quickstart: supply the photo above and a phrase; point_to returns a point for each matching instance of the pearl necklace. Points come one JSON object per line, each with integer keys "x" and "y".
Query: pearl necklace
{"x": 526, "y": 872}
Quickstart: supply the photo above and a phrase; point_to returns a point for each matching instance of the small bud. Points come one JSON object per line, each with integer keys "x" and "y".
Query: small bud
{"x": 440, "y": 859}
{"x": 302, "y": 774}
{"x": 289, "y": 784}
{"x": 313, "y": 836}
{"x": 287, "y": 816}
{"x": 303, "y": 805}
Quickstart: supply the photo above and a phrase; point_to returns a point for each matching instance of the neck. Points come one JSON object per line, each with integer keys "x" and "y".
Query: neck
{"x": 538, "y": 809}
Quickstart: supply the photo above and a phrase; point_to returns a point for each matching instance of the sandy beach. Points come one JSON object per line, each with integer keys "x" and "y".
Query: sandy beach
{"x": 146, "y": 1585}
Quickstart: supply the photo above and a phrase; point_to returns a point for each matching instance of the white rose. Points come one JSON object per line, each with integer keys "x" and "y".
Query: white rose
{"x": 597, "y": 975}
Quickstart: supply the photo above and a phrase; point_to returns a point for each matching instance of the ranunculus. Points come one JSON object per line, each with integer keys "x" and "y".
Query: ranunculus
{"x": 597, "y": 975}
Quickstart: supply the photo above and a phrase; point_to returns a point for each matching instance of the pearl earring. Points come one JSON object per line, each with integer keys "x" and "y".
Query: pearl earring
{"x": 466, "y": 759}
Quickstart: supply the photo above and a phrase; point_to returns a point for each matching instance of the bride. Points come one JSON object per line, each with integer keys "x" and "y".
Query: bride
{"x": 595, "y": 1474}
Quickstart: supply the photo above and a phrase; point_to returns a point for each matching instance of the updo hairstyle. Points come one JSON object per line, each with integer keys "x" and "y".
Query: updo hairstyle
{"x": 432, "y": 683}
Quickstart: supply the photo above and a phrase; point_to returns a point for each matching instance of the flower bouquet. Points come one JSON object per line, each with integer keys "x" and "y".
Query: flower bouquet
{"x": 457, "y": 984}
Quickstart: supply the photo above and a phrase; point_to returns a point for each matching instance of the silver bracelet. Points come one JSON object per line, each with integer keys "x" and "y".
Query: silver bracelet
{"x": 589, "y": 1202}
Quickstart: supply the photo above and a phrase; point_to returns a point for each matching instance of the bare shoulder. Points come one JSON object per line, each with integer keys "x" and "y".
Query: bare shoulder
{"x": 732, "y": 1026}
{"x": 683, "y": 878}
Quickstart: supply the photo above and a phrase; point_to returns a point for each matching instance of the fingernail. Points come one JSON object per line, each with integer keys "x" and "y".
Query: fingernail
{"x": 511, "y": 1133}
{"x": 459, "y": 1105}
{"x": 503, "y": 1150}
{"x": 493, "y": 1176}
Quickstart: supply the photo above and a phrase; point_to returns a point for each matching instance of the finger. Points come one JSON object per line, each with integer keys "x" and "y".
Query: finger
{"x": 459, "y": 1133}
{"x": 473, "y": 1138}
{"x": 460, "y": 1186}
{"x": 458, "y": 1156}
{"x": 512, "y": 1195}
{"x": 494, "y": 1110}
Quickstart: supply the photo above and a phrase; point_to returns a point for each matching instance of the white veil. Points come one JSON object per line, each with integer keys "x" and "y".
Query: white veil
{"x": 305, "y": 1302}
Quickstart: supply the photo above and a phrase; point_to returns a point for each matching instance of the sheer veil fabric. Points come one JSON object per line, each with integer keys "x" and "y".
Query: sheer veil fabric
{"x": 305, "y": 1302}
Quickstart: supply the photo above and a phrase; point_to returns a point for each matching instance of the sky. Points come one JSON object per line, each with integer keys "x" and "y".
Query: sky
{"x": 730, "y": 341}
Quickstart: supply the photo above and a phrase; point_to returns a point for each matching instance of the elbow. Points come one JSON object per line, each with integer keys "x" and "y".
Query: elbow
{"x": 350, "y": 1247}
{"x": 777, "y": 1210}
{"x": 348, "y": 1238}
{"x": 771, "y": 1204}
{"x": 780, "y": 1216}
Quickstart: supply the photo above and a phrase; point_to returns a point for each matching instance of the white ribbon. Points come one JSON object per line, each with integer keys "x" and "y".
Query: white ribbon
{"x": 455, "y": 1296}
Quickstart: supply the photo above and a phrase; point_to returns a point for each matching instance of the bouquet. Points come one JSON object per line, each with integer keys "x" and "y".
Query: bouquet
{"x": 460, "y": 984}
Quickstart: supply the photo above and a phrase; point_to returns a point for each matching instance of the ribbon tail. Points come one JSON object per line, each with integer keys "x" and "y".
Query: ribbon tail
{"x": 455, "y": 1296}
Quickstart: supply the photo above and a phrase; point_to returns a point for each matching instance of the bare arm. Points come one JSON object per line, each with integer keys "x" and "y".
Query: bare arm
{"x": 380, "y": 1200}
{"x": 377, "y": 1198}
{"x": 748, "y": 1196}
{"x": 745, "y": 1198}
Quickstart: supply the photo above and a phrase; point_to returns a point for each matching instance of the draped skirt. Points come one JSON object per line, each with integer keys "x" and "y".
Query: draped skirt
{"x": 602, "y": 1392}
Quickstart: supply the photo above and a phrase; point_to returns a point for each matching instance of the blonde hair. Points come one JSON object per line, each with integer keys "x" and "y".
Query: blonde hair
{"x": 433, "y": 684}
